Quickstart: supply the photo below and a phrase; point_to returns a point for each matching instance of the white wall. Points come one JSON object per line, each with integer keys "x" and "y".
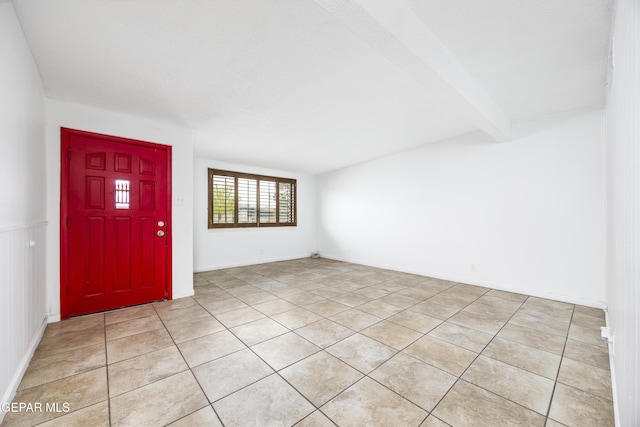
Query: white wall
{"x": 22, "y": 205}
{"x": 64, "y": 114}
{"x": 527, "y": 214}
{"x": 221, "y": 248}
{"x": 623, "y": 191}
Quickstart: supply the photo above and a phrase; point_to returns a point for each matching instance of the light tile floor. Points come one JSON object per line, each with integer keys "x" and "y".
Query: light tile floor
{"x": 317, "y": 343}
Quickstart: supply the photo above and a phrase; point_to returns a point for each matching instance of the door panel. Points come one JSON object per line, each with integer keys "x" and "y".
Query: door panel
{"x": 115, "y": 195}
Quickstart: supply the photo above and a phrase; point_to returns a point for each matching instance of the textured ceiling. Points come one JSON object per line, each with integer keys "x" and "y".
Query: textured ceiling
{"x": 304, "y": 85}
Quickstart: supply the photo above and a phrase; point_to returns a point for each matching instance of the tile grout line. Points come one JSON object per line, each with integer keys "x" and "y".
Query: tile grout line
{"x": 555, "y": 382}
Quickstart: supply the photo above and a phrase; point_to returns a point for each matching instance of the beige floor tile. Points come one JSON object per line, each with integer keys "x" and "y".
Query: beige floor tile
{"x": 586, "y": 377}
{"x": 133, "y": 327}
{"x": 417, "y": 293}
{"x": 436, "y": 285}
{"x": 327, "y": 308}
{"x": 78, "y": 392}
{"x": 95, "y": 415}
{"x": 351, "y": 299}
{"x": 257, "y": 297}
{"x": 238, "y": 317}
{"x": 186, "y": 331}
{"x": 327, "y": 292}
{"x": 371, "y": 293}
{"x": 479, "y": 322}
{"x": 219, "y": 307}
{"x": 202, "y": 289}
{"x": 379, "y": 309}
{"x": 75, "y": 324}
{"x": 304, "y": 299}
{"x": 529, "y": 390}
{"x": 392, "y": 334}
{"x": 260, "y": 330}
{"x": 465, "y": 289}
{"x": 587, "y": 320}
{"x": 553, "y": 423}
{"x": 420, "y": 383}
{"x": 451, "y": 300}
{"x": 274, "y": 307}
{"x": 296, "y": 318}
{"x": 594, "y": 355}
{"x": 355, "y": 319}
{"x": 183, "y": 315}
{"x": 324, "y": 332}
{"x": 139, "y": 371}
{"x": 211, "y": 297}
{"x": 362, "y": 353}
{"x": 492, "y": 311}
{"x": 284, "y": 350}
{"x": 507, "y": 295}
{"x": 432, "y": 309}
{"x": 147, "y": 406}
{"x": 528, "y": 358}
{"x": 229, "y": 374}
{"x": 462, "y": 336}
{"x": 61, "y": 365}
{"x": 209, "y": 347}
{"x": 589, "y": 335}
{"x": 590, "y": 311}
{"x": 469, "y": 405}
{"x": 533, "y": 338}
{"x": 316, "y": 419}
{"x": 269, "y": 402}
{"x": 432, "y": 421}
{"x": 369, "y": 280}
{"x": 390, "y": 286}
{"x": 69, "y": 340}
{"x": 574, "y": 407}
{"x": 320, "y": 377}
{"x": 130, "y": 313}
{"x": 495, "y": 301}
{"x": 164, "y": 307}
{"x": 287, "y": 291}
{"x": 440, "y": 354}
{"x": 203, "y": 417}
{"x": 238, "y": 291}
{"x": 416, "y": 321}
{"x": 310, "y": 285}
{"x": 367, "y": 403}
{"x": 398, "y": 300}
{"x": 135, "y": 345}
{"x": 558, "y": 305}
{"x": 536, "y": 318}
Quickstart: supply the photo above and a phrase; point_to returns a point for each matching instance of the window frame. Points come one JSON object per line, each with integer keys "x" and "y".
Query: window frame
{"x": 242, "y": 175}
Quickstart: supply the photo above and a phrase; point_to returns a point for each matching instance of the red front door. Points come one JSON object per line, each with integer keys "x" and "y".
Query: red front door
{"x": 115, "y": 230}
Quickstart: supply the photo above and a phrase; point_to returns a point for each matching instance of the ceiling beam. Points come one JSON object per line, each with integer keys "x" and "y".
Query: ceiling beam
{"x": 393, "y": 29}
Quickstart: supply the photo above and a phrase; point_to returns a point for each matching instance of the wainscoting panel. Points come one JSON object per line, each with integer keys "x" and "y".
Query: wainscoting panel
{"x": 22, "y": 301}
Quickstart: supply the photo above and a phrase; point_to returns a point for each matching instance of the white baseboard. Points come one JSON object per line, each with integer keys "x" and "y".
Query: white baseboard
{"x": 11, "y": 390}
{"x": 614, "y": 388}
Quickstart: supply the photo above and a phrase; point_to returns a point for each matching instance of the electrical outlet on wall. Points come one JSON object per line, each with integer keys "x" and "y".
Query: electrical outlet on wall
{"x": 473, "y": 268}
